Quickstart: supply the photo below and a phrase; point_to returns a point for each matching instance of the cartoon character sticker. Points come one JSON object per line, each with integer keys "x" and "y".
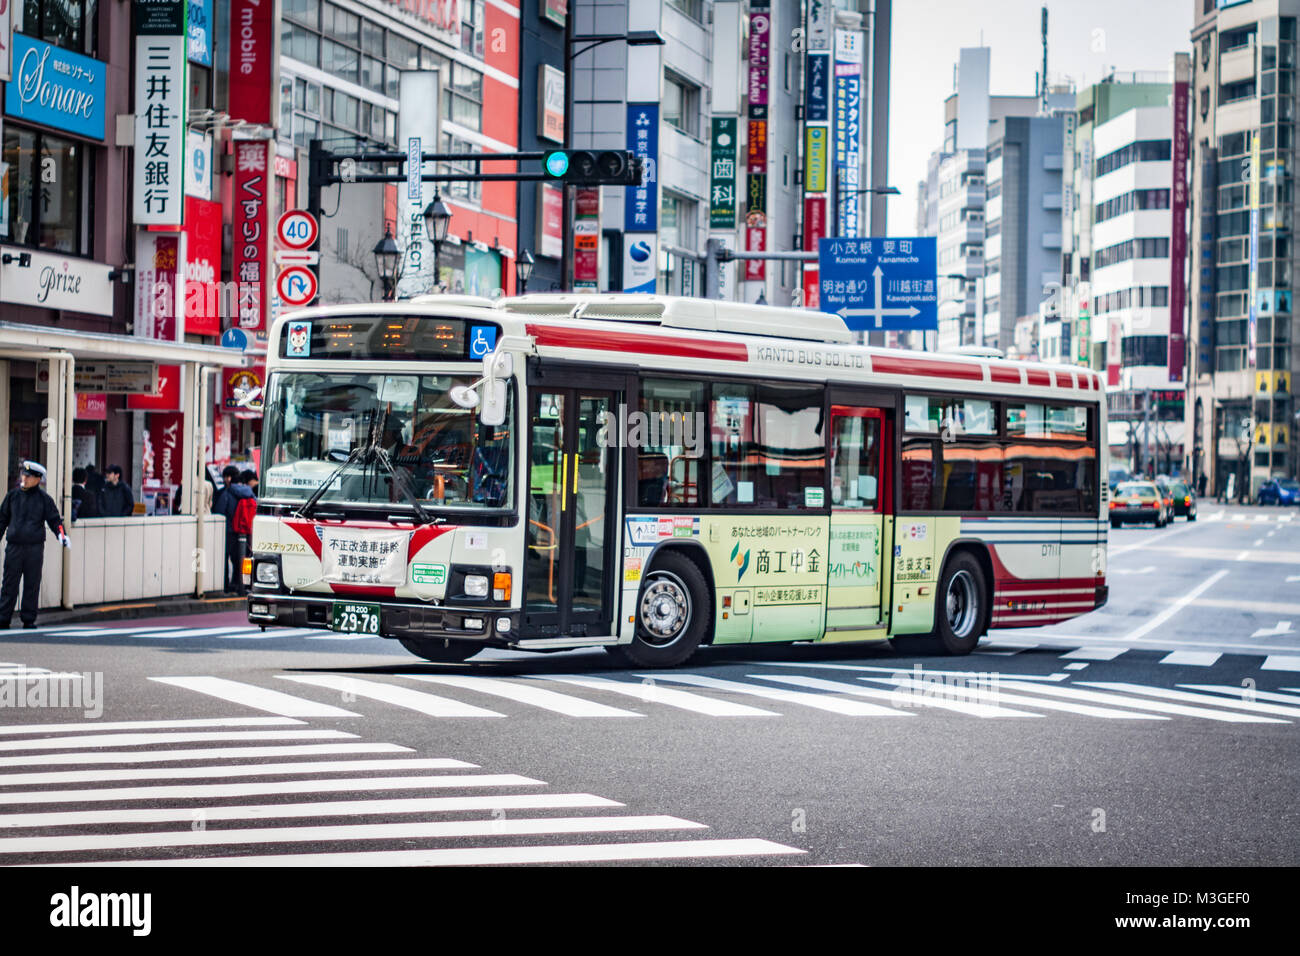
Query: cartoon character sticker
{"x": 299, "y": 345}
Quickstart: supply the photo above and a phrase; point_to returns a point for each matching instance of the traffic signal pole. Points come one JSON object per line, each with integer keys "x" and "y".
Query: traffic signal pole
{"x": 715, "y": 254}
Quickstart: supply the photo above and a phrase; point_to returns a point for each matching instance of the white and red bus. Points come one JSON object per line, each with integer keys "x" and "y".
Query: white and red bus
{"x": 652, "y": 474}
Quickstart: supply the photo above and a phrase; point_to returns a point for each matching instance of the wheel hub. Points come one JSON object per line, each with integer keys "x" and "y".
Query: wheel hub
{"x": 961, "y": 604}
{"x": 665, "y": 608}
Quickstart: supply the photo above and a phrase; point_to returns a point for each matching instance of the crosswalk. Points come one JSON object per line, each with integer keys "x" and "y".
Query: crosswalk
{"x": 1281, "y": 516}
{"x": 769, "y": 690}
{"x": 174, "y": 632}
{"x": 401, "y": 809}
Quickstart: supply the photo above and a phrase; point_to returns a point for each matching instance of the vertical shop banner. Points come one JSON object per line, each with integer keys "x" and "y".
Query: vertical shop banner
{"x": 550, "y": 220}
{"x": 641, "y": 203}
{"x": 203, "y": 306}
{"x": 640, "y": 262}
{"x": 166, "y": 437}
{"x": 6, "y": 40}
{"x": 254, "y": 74}
{"x": 251, "y": 227}
{"x": 817, "y": 95}
{"x": 417, "y": 131}
{"x": 814, "y": 222}
{"x": 1114, "y": 351}
{"x": 821, "y": 24}
{"x": 1178, "y": 234}
{"x": 816, "y": 156}
{"x": 586, "y": 239}
{"x": 158, "y": 171}
{"x": 848, "y": 127}
{"x": 760, "y": 41}
{"x": 756, "y": 225}
{"x": 556, "y": 11}
{"x": 1252, "y": 299}
{"x": 198, "y": 32}
{"x": 756, "y": 152}
{"x": 550, "y": 103}
{"x": 722, "y": 174}
{"x": 159, "y": 295}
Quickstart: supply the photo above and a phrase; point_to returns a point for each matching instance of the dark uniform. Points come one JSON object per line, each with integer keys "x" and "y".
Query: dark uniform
{"x": 23, "y": 515}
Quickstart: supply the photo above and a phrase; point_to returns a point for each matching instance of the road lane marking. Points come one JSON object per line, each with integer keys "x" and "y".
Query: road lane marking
{"x": 442, "y": 829}
{"x": 144, "y": 740}
{"x": 1145, "y": 570}
{"x": 527, "y": 694}
{"x": 1076, "y": 666}
{"x": 905, "y": 701}
{"x": 993, "y": 694}
{"x": 1282, "y": 627}
{"x": 1095, "y": 653}
{"x": 1281, "y": 662}
{"x": 652, "y": 692}
{"x": 1258, "y": 607}
{"x": 1243, "y": 692}
{"x": 836, "y": 705}
{"x": 1138, "y": 632}
{"x": 431, "y": 705}
{"x": 1152, "y": 541}
{"x": 1243, "y": 556}
{"x": 1192, "y": 658}
{"x": 321, "y": 809}
{"x": 11, "y": 729}
{"x": 499, "y": 856}
{"x": 898, "y": 671}
{"x": 1190, "y": 698}
{"x": 259, "y": 698}
{"x": 207, "y": 753}
{"x": 190, "y": 632}
{"x": 1133, "y": 703}
{"x": 1059, "y": 640}
{"x": 102, "y": 775}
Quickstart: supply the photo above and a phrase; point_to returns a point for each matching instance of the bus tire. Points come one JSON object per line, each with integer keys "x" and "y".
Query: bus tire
{"x": 673, "y": 615}
{"x": 960, "y": 614}
{"x": 440, "y": 650}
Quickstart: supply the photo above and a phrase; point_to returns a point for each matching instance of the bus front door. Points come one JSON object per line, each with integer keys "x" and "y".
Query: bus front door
{"x": 571, "y": 485}
{"x": 859, "y": 524}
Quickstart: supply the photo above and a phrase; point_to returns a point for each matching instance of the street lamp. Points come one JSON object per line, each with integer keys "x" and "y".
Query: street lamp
{"x": 437, "y": 221}
{"x": 841, "y": 192}
{"x": 524, "y": 270}
{"x": 387, "y": 256}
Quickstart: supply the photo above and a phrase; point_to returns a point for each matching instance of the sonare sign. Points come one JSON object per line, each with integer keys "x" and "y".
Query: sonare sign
{"x": 56, "y": 87}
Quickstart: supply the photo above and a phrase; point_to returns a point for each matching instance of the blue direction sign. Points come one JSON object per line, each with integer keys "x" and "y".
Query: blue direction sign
{"x": 234, "y": 338}
{"x": 880, "y": 283}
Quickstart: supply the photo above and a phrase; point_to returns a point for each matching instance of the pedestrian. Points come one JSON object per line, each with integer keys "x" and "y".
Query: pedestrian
{"x": 94, "y": 481}
{"x": 116, "y": 500}
{"x": 245, "y": 511}
{"x": 225, "y": 503}
{"x": 24, "y": 510}
{"x": 1200, "y": 485}
{"x": 84, "y": 504}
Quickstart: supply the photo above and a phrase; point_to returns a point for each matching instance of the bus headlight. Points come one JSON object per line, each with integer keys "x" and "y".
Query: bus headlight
{"x": 267, "y": 572}
{"x": 476, "y": 585}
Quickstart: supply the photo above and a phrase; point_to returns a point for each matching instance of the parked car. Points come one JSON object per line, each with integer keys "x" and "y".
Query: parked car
{"x": 1184, "y": 499}
{"x": 1138, "y": 501}
{"x": 1279, "y": 491}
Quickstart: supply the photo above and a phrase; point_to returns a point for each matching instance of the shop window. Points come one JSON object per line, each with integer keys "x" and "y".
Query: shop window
{"x": 65, "y": 23}
{"x": 51, "y": 192}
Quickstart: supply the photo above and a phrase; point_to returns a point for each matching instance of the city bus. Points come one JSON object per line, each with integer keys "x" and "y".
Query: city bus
{"x": 653, "y": 474}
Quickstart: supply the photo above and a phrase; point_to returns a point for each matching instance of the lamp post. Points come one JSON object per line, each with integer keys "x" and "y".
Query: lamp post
{"x": 524, "y": 270}
{"x": 840, "y": 192}
{"x": 593, "y": 40}
{"x": 387, "y": 256}
{"x": 437, "y": 220}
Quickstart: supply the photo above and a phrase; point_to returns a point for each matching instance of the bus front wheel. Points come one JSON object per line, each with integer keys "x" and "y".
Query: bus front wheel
{"x": 960, "y": 614}
{"x": 673, "y": 615}
{"x": 440, "y": 651}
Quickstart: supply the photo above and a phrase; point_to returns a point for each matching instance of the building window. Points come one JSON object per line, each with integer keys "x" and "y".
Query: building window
{"x": 299, "y": 44}
{"x": 403, "y": 53}
{"x": 51, "y": 192}
{"x": 471, "y": 27}
{"x": 692, "y": 8}
{"x": 677, "y": 221}
{"x": 306, "y": 12}
{"x": 64, "y": 23}
{"x": 1143, "y": 151}
{"x": 462, "y": 98}
{"x": 466, "y": 191}
{"x": 681, "y": 105}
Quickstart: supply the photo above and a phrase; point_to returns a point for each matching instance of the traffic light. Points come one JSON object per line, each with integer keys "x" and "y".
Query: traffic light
{"x": 583, "y": 167}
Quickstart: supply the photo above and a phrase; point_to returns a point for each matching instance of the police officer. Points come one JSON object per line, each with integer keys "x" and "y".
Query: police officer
{"x": 23, "y": 512}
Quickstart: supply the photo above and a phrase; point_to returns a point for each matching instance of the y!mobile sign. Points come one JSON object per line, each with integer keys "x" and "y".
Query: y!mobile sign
{"x": 254, "y": 83}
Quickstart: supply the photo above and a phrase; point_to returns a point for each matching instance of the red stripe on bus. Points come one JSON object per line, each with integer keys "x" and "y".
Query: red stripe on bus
{"x": 605, "y": 341}
{"x": 896, "y": 365}
{"x": 1008, "y": 376}
{"x": 1039, "y": 377}
{"x": 1054, "y": 584}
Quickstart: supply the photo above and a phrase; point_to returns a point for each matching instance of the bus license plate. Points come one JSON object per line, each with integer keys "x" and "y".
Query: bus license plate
{"x": 356, "y": 618}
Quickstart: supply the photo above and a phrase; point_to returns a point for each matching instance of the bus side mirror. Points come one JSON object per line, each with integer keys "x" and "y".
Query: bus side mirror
{"x": 493, "y": 410}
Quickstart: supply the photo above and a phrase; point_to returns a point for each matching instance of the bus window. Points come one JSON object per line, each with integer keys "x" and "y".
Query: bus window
{"x": 855, "y": 465}
{"x": 767, "y": 446}
{"x": 671, "y": 442}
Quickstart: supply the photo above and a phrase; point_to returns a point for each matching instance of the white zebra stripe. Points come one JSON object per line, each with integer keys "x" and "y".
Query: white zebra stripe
{"x": 430, "y": 705}
{"x": 206, "y": 753}
{"x": 102, "y": 775}
{"x": 259, "y": 698}
{"x": 11, "y": 729}
{"x": 144, "y": 740}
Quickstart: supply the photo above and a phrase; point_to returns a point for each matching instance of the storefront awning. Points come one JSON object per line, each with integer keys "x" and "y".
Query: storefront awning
{"x": 17, "y": 337}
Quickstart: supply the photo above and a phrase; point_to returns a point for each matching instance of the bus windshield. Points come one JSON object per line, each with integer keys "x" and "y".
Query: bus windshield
{"x": 315, "y": 420}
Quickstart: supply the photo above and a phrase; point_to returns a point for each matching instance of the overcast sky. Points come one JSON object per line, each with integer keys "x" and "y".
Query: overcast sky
{"x": 1085, "y": 41}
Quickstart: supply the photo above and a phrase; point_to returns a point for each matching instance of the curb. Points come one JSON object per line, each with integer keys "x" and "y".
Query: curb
{"x": 141, "y": 609}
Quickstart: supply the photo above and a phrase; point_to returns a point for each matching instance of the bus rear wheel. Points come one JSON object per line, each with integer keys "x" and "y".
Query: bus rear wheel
{"x": 960, "y": 617}
{"x": 673, "y": 615}
{"x": 440, "y": 650}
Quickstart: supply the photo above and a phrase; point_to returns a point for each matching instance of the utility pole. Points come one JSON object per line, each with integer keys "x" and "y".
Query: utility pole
{"x": 715, "y": 254}
{"x": 1146, "y": 430}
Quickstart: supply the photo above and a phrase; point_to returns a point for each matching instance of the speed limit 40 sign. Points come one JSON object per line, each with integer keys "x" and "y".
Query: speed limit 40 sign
{"x": 297, "y": 229}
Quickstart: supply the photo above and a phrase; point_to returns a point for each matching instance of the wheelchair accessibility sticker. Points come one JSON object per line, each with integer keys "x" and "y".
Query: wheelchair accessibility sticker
{"x": 482, "y": 340}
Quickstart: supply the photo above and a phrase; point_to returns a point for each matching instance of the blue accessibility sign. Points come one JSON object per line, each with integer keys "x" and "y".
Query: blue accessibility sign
{"x": 877, "y": 283}
{"x": 482, "y": 340}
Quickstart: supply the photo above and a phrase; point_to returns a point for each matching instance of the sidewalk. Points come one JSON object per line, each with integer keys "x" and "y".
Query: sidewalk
{"x": 158, "y": 607}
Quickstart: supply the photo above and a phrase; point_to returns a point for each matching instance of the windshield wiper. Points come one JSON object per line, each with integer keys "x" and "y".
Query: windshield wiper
{"x": 324, "y": 485}
{"x": 404, "y": 486}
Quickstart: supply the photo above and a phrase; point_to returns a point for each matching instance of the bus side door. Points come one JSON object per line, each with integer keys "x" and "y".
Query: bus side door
{"x": 859, "y": 502}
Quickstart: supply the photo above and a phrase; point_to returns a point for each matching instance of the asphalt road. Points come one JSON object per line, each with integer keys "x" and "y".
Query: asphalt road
{"x": 1161, "y": 729}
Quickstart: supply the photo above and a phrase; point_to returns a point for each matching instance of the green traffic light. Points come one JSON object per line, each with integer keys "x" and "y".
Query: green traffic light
{"x": 557, "y": 164}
